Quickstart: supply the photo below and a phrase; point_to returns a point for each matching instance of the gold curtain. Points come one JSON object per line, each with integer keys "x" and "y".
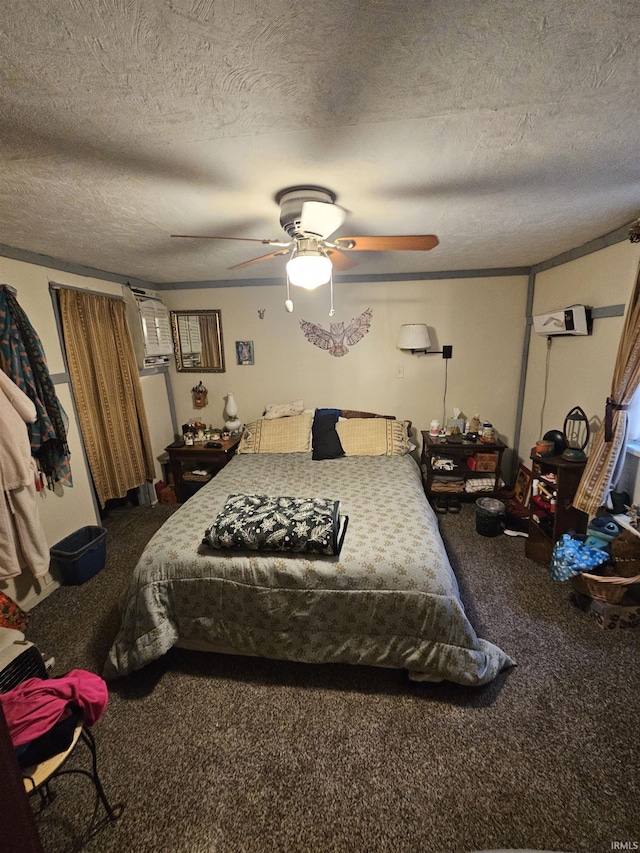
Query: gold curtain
{"x": 106, "y": 385}
{"x": 600, "y": 469}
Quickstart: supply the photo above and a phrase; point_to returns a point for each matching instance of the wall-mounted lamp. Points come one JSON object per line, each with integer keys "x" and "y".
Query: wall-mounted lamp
{"x": 415, "y": 337}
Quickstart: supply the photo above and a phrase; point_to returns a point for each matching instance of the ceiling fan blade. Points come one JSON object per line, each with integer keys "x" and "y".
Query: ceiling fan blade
{"x": 261, "y": 258}
{"x": 321, "y": 218}
{"x": 244, "y": 239}
{"x": 340, "y": 261}
{"x": 411, "y": 242}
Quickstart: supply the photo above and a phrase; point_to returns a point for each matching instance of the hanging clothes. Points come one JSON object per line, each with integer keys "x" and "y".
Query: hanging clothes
{"x": 24, "y": 361}
{"x": 22, "y": 540}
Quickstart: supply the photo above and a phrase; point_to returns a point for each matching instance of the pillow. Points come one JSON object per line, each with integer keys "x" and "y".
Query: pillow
{"x": 324, "y": 438}
{"x": 373, "y": 437}
{"x": 284, "y": 410}
{"x": 285, "y": 435}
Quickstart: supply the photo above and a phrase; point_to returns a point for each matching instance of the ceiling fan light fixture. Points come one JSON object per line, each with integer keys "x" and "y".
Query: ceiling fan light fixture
{"x": 309, "y": 269}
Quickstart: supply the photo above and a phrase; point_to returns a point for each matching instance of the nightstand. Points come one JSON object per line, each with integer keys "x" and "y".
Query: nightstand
{"x": 469, "y": 461}
{"x": 185, "y": 458}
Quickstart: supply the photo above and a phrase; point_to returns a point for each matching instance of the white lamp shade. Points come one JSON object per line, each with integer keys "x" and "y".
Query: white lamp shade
{"x": 309, "y": 271}
{"x": 414, "y": 336}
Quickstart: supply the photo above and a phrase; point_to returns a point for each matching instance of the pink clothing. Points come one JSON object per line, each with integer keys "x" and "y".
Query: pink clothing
{"x": 37, "y": 704}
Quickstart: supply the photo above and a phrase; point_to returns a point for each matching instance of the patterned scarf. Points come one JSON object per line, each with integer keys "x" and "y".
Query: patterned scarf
{"x": 24, "y": 361}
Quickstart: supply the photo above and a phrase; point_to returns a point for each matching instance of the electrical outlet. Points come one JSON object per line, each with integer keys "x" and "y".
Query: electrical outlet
{"x": 400, "y": 371}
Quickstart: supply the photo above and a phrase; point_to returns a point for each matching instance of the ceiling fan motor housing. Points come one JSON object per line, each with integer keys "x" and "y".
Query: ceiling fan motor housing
{"x": 291, "y": 201}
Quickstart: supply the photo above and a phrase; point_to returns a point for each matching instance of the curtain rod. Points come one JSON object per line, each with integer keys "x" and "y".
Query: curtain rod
{"x": 55, "y": 286}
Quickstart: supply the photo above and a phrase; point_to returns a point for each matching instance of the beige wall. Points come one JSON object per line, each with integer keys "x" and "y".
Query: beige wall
{"x": 580, "y": 368}
{"x": 66, "y": 510}
{"x": 482, "y": 318}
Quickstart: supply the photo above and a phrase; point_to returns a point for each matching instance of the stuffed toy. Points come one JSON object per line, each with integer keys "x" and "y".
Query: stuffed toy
{"x": 602, "y": 530}
{"x": 575, "y": 553}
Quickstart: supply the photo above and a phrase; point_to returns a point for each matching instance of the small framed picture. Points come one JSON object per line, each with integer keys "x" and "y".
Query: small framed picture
{"x": 522, "y": 486}
{"x": 244, "y": 352}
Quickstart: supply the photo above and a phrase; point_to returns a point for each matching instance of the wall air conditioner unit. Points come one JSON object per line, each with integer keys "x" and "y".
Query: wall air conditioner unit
{"x": 575, "y": 320}
{"x": 149, "y": 325}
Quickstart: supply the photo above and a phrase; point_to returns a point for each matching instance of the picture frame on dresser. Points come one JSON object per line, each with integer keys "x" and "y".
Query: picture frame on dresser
{"x": 522, "y": 486}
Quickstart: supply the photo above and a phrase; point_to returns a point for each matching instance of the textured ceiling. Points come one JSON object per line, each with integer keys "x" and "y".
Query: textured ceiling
{"x": 509, "y": 128}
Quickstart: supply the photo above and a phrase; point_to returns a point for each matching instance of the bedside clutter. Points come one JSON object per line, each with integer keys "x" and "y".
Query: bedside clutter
{"x": 454, "y": 469}
{"x": 603, "y": 569}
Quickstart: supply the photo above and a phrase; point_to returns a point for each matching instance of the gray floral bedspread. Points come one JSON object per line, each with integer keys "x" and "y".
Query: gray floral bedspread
{"x": 390, "y": 599}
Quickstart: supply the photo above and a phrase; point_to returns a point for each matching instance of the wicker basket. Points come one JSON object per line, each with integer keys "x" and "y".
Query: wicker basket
{"x": 609, "y": 589}
{"x": 625, "y": 554}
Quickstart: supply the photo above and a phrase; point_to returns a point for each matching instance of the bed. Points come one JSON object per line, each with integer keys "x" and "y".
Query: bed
{"x": 388, "y": 599}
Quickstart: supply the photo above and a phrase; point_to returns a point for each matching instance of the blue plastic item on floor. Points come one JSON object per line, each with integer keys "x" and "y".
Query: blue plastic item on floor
{"x": 81, "y": 555}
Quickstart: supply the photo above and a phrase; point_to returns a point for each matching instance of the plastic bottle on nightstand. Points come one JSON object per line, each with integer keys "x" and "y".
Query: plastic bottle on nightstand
{"x": 487, "y": 432}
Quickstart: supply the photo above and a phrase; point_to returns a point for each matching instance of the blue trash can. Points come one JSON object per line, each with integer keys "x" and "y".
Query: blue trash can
{"x": 81, "y": 555}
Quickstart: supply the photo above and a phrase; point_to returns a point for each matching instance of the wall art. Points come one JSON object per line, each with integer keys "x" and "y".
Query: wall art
{"x": 336, "y": 339}
{"x": 244, "y": 352}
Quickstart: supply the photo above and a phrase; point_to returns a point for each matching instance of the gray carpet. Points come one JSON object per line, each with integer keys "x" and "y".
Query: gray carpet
{"x": 222, "y": 753}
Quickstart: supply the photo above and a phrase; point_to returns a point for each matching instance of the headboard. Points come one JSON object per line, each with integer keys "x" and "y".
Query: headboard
{"x": 352, "y": 413}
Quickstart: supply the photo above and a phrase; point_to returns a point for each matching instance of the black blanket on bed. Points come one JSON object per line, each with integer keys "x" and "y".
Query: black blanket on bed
{"x": 265, "y": 523}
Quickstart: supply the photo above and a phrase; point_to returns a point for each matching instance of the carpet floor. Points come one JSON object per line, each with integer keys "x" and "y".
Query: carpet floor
{"x": 229, "y": 754}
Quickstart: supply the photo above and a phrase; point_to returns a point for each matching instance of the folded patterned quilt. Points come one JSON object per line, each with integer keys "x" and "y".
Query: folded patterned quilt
{"x": 265, "y": 523}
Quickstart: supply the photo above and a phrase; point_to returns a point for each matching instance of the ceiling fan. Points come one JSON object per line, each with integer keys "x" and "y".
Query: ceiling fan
{"x": 309, "y": 215}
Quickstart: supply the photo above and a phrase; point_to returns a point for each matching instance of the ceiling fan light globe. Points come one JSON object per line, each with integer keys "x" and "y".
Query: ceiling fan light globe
{"x": 309, "y": 271}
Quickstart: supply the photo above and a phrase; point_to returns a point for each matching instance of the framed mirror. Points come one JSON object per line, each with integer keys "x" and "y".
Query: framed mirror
{"x": 197, "y": 341}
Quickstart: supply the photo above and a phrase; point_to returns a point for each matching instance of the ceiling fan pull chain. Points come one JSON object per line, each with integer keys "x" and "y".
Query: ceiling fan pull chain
{"x": 331, "y": 310}
{"x": 288, "y": 303}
